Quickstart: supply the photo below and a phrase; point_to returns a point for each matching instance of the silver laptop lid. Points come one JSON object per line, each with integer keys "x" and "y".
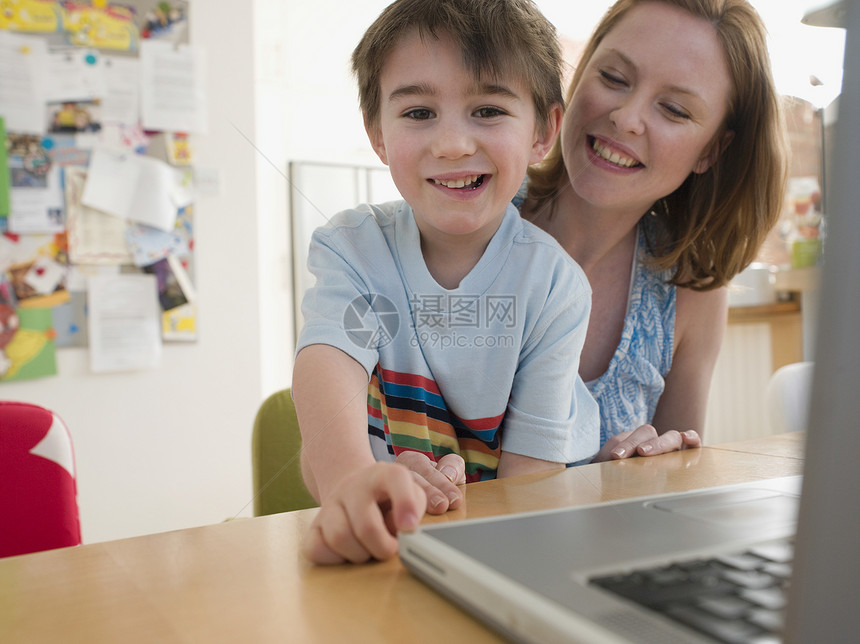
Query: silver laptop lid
{"x": 826, "y": 580}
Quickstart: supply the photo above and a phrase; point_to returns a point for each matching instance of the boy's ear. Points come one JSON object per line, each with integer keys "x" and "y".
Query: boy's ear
{"x": 710, "y": 157}
{"x": 546, "y": 136}
{"x": 374, "y": 133}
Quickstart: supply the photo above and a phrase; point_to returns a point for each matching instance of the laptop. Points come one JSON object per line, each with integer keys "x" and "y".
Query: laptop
{"x": 635, "y": 570}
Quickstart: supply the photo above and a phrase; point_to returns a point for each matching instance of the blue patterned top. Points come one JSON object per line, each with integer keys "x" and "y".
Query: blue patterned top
{"x": 628, "y": 391}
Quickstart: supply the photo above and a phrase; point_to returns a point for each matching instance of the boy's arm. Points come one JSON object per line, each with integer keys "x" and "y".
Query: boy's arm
{"x": 363, "y": 503}
{"x": 330, "y": 392}
{"x": 511, "y": 464}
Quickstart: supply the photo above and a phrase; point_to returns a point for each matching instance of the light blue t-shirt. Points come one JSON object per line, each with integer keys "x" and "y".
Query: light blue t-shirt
{"x": 628, "y": 391}
{"x": 487, "y": 367}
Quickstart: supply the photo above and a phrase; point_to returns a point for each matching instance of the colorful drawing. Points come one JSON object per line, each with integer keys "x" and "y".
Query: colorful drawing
{"x": 37, "y": 268}
{"x": 63, "y": 151}
{"x": 180, "y": 324}
{"x": 28, "y": 161}
{"x": 179, "y": 151}
{"x": 43, "y": 16}
{"x": 101, "y": 25}
{"x": 27, "y": 340}
{"x": 70, "y": 322}
{"x": 148, "y": 245}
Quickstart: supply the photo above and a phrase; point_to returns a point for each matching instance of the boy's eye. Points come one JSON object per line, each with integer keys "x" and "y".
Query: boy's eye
{"x": 488, "y": 112}
{"x": 418, "y": 114}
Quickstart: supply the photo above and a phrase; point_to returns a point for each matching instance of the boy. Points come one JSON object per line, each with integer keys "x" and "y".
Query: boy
{"x": 467, "y": 321}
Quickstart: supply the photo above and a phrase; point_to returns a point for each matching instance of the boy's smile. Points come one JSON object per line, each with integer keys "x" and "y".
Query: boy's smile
{"x": 458, "y": 182}
{"x": 457, "y": 147}
{"x": 469, "y": 183}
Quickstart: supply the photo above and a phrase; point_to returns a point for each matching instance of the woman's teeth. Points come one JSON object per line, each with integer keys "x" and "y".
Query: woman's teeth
{"x": 604, "y": 152}
{"x": 464, "y": 182}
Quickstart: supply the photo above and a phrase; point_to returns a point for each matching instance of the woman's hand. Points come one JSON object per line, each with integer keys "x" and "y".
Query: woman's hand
{"x": 645, "y": 441}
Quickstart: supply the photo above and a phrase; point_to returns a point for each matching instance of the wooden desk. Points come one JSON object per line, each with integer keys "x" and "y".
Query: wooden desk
{"x": 243, "y": 581}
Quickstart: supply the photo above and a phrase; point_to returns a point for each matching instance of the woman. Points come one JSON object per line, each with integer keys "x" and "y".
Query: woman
{"x": 667, "y": 176}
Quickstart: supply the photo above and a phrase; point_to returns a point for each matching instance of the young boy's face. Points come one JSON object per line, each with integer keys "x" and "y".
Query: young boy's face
{"x": 457, "y": 150}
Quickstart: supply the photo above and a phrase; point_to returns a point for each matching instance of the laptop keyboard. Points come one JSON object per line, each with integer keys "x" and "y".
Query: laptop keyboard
{"x": 737, "y": 598}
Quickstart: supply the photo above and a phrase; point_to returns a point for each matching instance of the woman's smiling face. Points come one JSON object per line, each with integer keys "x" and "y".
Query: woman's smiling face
{"x": 647, "y": 108}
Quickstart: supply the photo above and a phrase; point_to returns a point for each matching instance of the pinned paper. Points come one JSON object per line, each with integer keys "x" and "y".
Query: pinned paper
{"x": 174, "y": 285}
{"x": 180, "y": 324}
{"x": 95, "y": 237}
{"x": 23, "y": 60}
{"x": 134, "y": 187}
{"x": 173, "y": 96}
{"x": 70, "y": 322}
{"x": 121, "y": 99}
{"x": 74, "y": 117}
{"x": 124, "y": 322}
{"x": 45, "y": 275}
{"x": 75, "y": 75}
{"x": 148, "y": 245}
{"x": 36, "y": 198}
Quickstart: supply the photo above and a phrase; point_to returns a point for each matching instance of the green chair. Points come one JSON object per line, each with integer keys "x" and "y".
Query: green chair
{"x": 275, "y": 463}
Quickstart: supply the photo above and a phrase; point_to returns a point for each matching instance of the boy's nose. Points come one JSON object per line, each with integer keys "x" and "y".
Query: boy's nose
{"x": 453, "y": 140}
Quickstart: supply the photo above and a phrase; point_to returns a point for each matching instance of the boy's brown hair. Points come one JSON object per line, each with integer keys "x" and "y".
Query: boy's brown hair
{"x": 496, "y": 37}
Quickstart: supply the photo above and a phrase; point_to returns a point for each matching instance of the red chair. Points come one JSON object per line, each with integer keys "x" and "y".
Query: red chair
{"x": 38, "y": 490}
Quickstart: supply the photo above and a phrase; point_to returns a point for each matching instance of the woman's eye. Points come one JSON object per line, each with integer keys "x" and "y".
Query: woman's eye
{"x": 419, "y": 114}
{"x": 676, "y": 112}
{"x": 488, "y": 112}
{"x": 611, "y": 79}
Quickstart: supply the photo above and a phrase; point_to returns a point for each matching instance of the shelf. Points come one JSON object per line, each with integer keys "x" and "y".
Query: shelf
{"x": 748, "y": 314}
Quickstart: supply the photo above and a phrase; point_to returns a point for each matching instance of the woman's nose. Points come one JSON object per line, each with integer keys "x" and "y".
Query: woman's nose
{"x": 628, "y": 116}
